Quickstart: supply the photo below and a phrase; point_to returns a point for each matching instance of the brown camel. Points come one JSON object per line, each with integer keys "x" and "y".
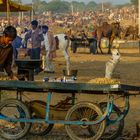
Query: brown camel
{"x": 109, "y": 31}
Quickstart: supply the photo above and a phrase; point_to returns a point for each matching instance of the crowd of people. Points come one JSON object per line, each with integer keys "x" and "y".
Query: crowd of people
{"x": 36, "y": 39}
{"x": 38, "y": 35}
{"x": 87, "y": 20}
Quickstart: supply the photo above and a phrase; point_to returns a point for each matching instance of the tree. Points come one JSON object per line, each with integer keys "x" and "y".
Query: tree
{"x": 91, "y": 5}
{"x": 42, "y": 7}
{"x": 36, "y": 4}
{"x": 18, "y": 1}
{"x": 78, "y": 6}
{"x": 58, "y": 6}
{"x": 107, "y": 5}
{"x": 135, "y": 2}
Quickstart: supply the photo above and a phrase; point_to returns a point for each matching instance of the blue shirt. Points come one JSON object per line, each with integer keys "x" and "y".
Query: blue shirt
{"x": 17, "y": 43}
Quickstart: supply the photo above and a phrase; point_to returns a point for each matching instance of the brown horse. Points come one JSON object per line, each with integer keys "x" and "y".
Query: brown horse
{"x": 109, "y": 31}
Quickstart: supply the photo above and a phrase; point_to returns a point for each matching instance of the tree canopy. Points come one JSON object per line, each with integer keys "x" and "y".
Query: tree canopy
{"x": 135, "y": 2}
{"x": 60, "y": 6}
{"x": 91, "y": 5}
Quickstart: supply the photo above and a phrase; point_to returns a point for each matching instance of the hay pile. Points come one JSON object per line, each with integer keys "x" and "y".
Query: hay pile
{"x": 104, "y": 81}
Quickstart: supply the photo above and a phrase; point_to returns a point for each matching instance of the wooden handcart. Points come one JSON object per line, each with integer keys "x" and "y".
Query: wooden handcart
{"x": 83, "y": 120}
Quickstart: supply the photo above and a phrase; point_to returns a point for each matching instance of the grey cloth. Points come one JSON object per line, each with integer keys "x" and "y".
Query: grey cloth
{"x": 110, "y": 67}
{"x": 112, "y": 63}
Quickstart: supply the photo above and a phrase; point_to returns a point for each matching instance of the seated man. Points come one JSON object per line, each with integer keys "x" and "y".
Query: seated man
{"x": 6, "y": 50}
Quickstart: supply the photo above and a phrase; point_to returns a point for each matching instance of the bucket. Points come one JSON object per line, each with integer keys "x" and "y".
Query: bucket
{"x": 104, "y": 42}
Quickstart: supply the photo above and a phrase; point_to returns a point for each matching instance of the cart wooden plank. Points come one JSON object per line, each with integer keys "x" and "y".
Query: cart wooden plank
{"x": 62, "y": 87}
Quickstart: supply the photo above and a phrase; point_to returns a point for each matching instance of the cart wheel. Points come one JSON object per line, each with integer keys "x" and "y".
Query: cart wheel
{"x": 84, "y": 111}
{"x": 39, "y": 129}
{"x": 113, "y": 130}
{"x": 14, "y": 109}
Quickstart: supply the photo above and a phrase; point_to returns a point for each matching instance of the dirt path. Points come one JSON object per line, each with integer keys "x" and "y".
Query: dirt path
{"x": 93, "y": 66}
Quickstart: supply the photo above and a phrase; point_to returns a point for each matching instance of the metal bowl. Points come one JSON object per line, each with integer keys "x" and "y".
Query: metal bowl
{"x": 70, "y": 72}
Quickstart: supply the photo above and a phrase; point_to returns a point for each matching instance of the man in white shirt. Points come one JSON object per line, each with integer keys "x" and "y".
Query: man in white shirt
{"x": 50, "y": 47}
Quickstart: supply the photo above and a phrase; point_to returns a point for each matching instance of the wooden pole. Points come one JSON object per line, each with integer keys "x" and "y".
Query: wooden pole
{"x": 8, "y": 12}
{"x": 102, "y": 6}
{"x": 20, "y": 13}
{"x": 71, "y": 8}
{"x": 139, "y": 17}
{"x": 139, "y": 22}
{"x": 19, "y": 18}
{"x": 32, "y": 14}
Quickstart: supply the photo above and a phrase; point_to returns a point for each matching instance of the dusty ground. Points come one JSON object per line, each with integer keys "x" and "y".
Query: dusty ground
{"x": 91, "y": 66}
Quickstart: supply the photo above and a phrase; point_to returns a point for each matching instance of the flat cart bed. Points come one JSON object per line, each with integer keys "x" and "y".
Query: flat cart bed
{"x": 84, "y": 122}
{"x": 62, "y": 87}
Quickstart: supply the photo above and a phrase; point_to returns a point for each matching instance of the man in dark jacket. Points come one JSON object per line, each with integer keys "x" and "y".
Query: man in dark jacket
{"x": 6, "y": 50}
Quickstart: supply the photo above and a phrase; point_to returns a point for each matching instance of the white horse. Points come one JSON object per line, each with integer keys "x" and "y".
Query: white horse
{"x": 63, "y": 43}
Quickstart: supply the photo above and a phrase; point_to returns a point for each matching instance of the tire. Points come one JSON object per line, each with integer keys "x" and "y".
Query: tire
{"x": 9, "y": 129}
{"x": 39, "y": 129}
{"x": 82, "y": 115}
{"x": 120, "y": 125}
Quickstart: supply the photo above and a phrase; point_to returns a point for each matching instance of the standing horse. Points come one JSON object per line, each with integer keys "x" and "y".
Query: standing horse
{"x": 109, "y": 31}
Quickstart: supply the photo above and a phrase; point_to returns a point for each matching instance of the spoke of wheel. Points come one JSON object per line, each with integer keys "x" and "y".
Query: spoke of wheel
{"x": 84, "y": 113}
{"x": 90, "y": 114}
{"x": 78, "y": 114}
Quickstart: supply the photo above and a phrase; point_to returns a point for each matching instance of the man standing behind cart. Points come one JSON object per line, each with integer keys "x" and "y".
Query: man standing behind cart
{"x": 35, "y": 37}
{"x": 6, "y": 51}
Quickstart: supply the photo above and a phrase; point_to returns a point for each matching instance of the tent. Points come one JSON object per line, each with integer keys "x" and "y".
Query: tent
{"x": 13, "y": 6}
{"x": 10, "y": 6}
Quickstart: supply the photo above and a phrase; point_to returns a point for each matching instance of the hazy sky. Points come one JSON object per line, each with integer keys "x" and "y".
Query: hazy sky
{"x": 98, "y": 1}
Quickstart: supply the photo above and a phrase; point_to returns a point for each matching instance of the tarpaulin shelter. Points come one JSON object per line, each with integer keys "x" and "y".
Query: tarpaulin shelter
{"x": 13, "y": 6}
{"x": 10, "y": 6}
